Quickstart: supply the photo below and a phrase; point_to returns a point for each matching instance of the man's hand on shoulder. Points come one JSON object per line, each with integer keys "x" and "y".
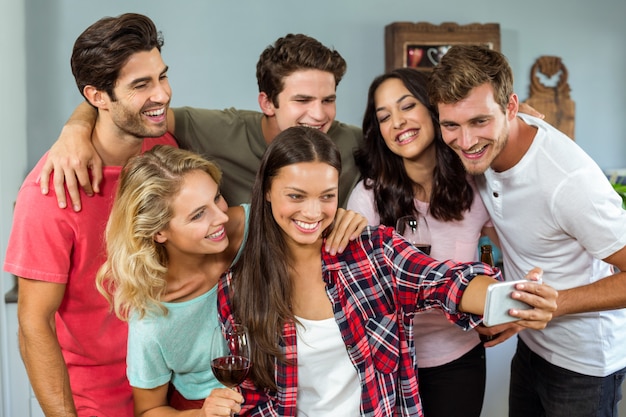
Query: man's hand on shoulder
{"x": 71, "y": 158}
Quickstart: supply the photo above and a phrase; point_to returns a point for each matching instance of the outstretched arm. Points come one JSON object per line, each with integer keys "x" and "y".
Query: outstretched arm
{"x": 539, "y": 296}
{"x": 608, "y": 293}
{"x": 71, "y": 157}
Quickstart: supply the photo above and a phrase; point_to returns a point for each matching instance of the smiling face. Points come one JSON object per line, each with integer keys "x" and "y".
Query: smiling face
{"x": 477, "y": 129}
{"x": 307, "y": 99}
{"x": 142, "y": 96}
{"x": 303, "y": 198}
{"x": 199, "y": 216}
{"x": 405, "y": 123}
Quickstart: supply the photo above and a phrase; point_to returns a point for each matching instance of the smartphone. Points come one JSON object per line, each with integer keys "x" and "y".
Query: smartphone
{"x": 499, "y": 302}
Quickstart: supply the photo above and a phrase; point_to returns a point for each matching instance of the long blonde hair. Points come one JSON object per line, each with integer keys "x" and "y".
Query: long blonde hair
{"x": 133, "y": 277}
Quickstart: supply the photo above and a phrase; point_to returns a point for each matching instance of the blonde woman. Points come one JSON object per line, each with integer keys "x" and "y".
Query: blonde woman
{"x": 170, "y": 237}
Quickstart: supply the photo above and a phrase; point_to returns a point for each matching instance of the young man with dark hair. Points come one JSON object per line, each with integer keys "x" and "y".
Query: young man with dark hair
{"x": 297, "y": 78}
{"x": 73, "y": 347}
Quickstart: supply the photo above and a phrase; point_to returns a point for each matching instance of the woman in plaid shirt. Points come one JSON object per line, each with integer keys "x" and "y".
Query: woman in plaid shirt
{"x": 331, "y": 334}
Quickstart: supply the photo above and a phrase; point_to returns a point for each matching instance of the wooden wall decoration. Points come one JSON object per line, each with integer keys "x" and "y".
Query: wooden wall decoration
{"x": 549, "y": 93}
{"x": 421, "y": 45}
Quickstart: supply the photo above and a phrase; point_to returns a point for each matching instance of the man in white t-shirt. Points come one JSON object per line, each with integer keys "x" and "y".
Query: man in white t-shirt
{"x": 552, "y": 207}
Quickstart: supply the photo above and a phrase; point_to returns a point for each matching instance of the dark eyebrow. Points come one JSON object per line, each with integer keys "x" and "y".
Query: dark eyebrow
{"x": 307, "y": 97}
{"x": 397, "y": 101}
{"x": 301, "y": 97}
{"x": 480, "y": 117}
{"x": 472, "y": 120}
{"x": 146, "y": 79}
{"x": 304, "y": 192}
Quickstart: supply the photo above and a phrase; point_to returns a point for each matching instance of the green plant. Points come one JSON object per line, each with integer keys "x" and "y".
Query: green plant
{"x": 621, "y": 190}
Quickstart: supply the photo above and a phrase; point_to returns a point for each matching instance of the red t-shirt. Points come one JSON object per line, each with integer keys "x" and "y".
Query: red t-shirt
{"x": 64, "y": 247}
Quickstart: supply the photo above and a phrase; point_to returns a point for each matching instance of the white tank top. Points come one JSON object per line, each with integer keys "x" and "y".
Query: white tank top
{"x": 328, "y": 383}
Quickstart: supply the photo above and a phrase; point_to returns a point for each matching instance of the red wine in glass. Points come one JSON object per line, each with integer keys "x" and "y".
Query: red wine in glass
{"x": 230, "y": 370}
{"x": 415, "y": 230}
{"x": 231, "y": 355}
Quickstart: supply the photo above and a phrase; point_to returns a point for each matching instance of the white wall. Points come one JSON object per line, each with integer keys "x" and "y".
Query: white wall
{"x": 12, "y": 159}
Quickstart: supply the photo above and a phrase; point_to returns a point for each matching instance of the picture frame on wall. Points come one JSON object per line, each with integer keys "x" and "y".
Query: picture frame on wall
{"x": 421, "y": 45}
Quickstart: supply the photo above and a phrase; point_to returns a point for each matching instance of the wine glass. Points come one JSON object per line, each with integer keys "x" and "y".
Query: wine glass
{"x": 415, "y": 230}
{"x": 231, "y": 355}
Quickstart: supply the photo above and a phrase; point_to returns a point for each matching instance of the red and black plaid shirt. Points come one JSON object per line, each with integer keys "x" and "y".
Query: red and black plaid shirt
{"x": 375, "y": 287}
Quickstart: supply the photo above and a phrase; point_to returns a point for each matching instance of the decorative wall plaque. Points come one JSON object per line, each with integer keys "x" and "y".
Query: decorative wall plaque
{"x": 421, "y": 45}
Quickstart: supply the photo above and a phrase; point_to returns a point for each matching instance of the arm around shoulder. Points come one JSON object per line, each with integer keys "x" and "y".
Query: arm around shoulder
{"x": 72, "y": 157}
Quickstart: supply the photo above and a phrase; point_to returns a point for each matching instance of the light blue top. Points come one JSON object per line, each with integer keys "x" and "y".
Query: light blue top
{"x": 176, "y": 347}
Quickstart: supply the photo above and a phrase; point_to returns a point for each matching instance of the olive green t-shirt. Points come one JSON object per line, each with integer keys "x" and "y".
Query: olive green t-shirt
{"x": 234, "y": 140}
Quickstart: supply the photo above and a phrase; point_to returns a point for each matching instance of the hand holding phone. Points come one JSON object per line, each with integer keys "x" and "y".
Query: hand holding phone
{"x": 498, "y": 303}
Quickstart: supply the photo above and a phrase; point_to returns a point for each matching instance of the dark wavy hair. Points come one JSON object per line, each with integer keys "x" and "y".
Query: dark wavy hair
{"x": 103, "y": 49}
{"x": 292, "y": 53}
{"x": 262, "y": 286}
{"x": 384, "y": 172}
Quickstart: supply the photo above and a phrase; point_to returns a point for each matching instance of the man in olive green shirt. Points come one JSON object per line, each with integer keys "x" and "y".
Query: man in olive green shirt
{"x": 234, "y": 139}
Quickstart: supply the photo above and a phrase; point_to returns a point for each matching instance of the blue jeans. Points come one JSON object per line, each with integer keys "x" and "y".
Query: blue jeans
{"x": 540, "y": 389}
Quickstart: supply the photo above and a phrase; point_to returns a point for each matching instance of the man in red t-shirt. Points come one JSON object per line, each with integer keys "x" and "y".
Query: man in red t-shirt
{"x": 74, "y": 349}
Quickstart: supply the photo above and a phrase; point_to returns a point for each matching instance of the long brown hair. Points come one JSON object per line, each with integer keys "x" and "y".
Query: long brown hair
{"x": 262, "y": 286}
{"x": 383, "y": 171}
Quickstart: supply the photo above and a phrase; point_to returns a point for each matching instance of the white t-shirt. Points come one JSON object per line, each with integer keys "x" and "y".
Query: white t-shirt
{"x": 437, "y": 341}
{"x": 328, "y": 383}
{"x": 555, "y": 209}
